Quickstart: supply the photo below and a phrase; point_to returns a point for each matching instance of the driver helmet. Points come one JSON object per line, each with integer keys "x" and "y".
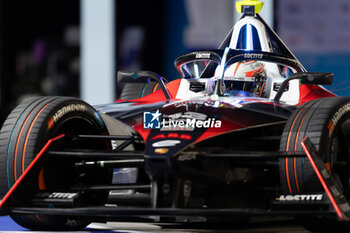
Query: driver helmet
{"x": 247, "y": 78}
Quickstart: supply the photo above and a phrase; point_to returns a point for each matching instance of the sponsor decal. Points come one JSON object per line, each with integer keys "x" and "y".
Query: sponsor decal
{"x": 67, "y": 109}
{"x": 159, "y": 136}
{"x": 63, "y": 195}
{"x": 301, "y": 197}
{"x": 173, "y": 135}
{"x": 236, "y": 103}
{"x": 253, "y": 56}
{"x": 72, "y": 222}
{"x": 181, "y": 104}
{"x": 166, "y": 143}
{"x": 161, "y": 150}
{"x": 187, "y": 115}
{"x": 114, "y": 144}
{"x": 232, "y": 78}
{"x": 151, "y": 120}
{"x": 203, "y": 55}
{"x": 187, "y": 157}
{"x": 341, "y": 111}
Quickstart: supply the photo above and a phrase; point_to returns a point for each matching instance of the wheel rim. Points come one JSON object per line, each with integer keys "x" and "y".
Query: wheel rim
{"x": 72, "y": 126}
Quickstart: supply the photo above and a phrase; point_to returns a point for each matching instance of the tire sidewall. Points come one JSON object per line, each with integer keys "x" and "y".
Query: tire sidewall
{"x": 332, "y": 126}
{"x": 336, "y": 118}
{"x": 57, "y": 114}
{"x": 319, "y": 120}
{"x": 51, "y": 117}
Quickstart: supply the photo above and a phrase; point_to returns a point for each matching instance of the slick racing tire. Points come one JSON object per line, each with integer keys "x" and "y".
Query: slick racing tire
{"x": 326, "y": 122}
{"x": 26, "y": 130}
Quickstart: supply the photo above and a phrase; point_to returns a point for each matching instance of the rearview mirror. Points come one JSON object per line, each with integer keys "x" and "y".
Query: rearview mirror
{"x": 314, "y": 78}
{"x": 142, "y": 77}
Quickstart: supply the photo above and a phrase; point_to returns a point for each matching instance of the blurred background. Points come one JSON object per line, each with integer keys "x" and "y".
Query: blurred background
{"x": 76, "y": 47}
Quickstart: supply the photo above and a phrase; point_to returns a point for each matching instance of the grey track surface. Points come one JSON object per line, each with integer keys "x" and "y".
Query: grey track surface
{"x": 275, "y": 226}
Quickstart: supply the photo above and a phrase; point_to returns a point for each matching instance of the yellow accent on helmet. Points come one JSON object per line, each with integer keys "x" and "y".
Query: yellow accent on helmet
{"x": 258, "y": 5}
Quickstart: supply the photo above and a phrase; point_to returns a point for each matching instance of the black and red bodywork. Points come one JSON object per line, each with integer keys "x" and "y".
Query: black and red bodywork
{"x": 229, "y": 170}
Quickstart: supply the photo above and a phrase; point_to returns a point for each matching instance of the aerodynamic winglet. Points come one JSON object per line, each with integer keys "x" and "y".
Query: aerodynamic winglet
{"x": 28, "y": 169}
{"x": 334, "y": 193}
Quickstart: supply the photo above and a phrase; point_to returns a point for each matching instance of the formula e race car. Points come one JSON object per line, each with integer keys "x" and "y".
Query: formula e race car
{"x": 245, "y": 131}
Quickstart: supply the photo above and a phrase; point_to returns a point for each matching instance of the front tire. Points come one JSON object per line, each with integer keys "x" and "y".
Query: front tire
{"x": 326, "y": 122}
{"x": 28, "y": 127}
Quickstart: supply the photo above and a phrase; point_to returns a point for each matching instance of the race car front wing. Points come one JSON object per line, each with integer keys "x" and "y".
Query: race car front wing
{"x": 330, "y": 203}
